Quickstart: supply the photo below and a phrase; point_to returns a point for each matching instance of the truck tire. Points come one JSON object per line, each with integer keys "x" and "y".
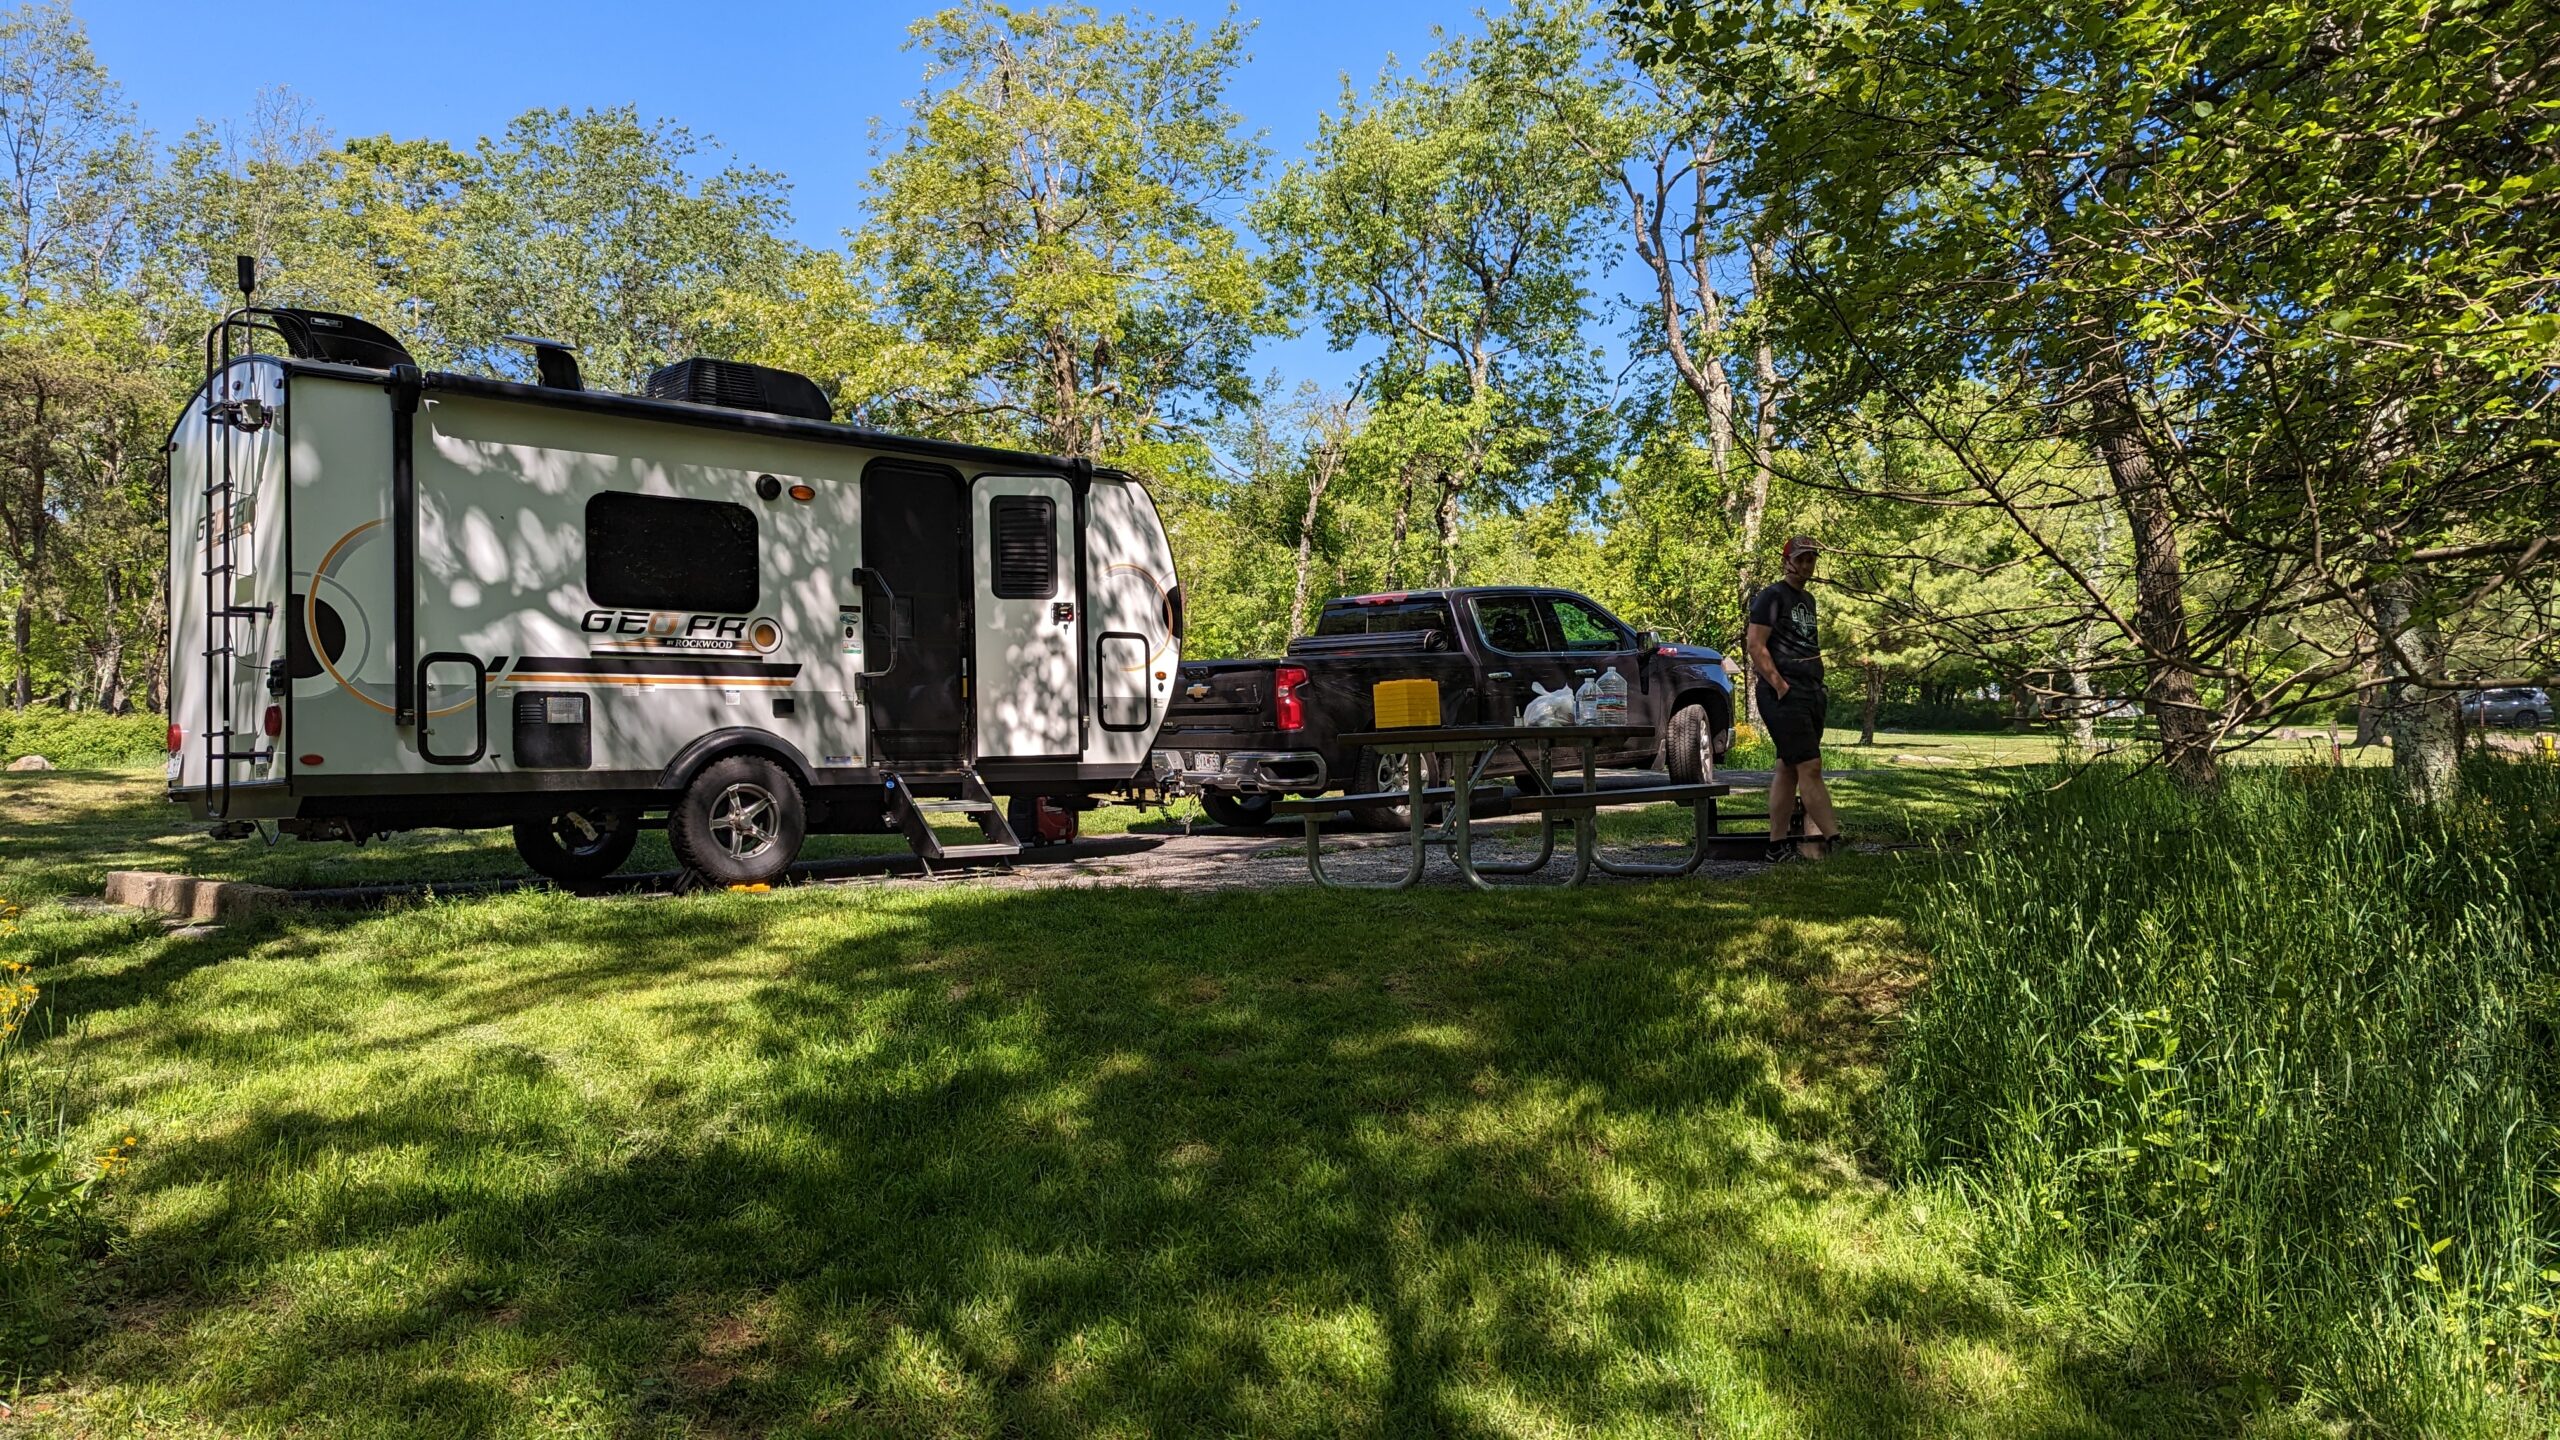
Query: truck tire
{"x": 1237, "y": 810}
{"x": 577, "y": 846}
{"x": 1379, "y": 770}
{"x": 1685, "y": 739}
{"x": 740, "y": 822}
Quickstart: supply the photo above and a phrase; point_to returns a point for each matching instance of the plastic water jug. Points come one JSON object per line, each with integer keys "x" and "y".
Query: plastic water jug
{"x": 1613, "y": 697}
{"x": 1586, "y": 703}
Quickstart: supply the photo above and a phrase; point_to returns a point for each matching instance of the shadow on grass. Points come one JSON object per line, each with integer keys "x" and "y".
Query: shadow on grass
{"x": 1043, "y": 1162}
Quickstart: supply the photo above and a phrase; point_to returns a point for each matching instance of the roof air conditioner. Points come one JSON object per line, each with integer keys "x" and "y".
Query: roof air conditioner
{"x": 735, "y": 386}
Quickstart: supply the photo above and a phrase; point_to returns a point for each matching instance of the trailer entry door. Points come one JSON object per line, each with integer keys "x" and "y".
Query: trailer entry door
{"x": 1027, "y": 619}
{"x": 914, "y": 538}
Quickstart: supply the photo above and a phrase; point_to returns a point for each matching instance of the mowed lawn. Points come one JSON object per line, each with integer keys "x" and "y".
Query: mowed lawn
{"x": 947, "y": 1159}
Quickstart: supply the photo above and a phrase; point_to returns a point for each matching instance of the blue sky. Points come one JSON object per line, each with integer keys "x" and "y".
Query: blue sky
{"x": 789, "y": 87}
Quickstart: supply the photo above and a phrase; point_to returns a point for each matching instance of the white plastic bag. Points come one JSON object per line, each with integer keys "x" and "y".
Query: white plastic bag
{"x": 1550, "y": 708}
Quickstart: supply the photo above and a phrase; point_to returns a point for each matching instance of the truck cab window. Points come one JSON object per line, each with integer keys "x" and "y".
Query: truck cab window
{"x": 1510, "y": 623}
{"x": 1584, "y": 626}
{"x": 656, "y": 552}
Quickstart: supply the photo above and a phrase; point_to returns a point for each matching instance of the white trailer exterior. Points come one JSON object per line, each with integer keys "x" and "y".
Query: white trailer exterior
{"x": 606, "y": 596}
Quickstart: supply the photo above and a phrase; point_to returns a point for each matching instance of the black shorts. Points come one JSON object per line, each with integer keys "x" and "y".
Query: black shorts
{"x": 1794, "y": 723}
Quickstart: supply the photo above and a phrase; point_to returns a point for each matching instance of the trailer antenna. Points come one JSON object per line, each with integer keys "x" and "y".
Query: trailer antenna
{"x": 248, "y": 276}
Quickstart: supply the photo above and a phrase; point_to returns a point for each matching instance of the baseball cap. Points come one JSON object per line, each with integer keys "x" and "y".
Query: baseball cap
{"x": 1800, "y": 542}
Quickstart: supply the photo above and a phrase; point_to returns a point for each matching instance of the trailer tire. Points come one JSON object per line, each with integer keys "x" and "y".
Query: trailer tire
{"x": 1684, "y": 746}
{"x": 740, "y": 822}
{"x": 1237, "y": 810}
{"x": 577, "y": 846}
{"x": 1385, "y": 770}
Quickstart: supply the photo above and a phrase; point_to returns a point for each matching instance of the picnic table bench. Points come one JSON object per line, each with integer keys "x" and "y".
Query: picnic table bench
{"x": 1535, "y": 745}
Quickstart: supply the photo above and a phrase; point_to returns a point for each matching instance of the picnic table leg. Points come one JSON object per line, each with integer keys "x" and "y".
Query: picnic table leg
{"x": 1413, "y": 865}
{"x": 1699, "y": 828}
{"x": 1545, "y": 775}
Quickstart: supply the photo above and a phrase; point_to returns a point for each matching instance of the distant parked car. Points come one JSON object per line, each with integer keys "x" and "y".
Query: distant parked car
{"x": 2521, "y": 706}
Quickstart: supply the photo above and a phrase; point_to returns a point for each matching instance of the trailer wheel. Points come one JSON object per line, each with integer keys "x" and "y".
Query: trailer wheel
{"x": 1385, "y": 770}
{"x": 740, "y": 822}
{"x": 577, "y": 846}
{"x": 1684, "y": 746}
{"x": 1237, "y": 810}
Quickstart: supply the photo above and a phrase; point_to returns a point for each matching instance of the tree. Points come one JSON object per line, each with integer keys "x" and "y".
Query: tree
{"x": 1047, "y": 239}
{"x": 1447, "y": 215}
{"x": 70, "y": 159}
{"x": 2160, "y": 235}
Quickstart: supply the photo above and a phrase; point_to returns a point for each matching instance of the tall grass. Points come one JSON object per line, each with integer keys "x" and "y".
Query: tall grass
{"x": 2262, "y": 1078}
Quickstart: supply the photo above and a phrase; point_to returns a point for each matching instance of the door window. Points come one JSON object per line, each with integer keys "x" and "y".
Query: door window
{"x": 1584, "y": 626}
{"x": 1510, "y": 623}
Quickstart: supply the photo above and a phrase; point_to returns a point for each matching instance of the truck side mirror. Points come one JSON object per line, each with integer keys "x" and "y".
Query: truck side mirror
{"x": 1648, "y": 639}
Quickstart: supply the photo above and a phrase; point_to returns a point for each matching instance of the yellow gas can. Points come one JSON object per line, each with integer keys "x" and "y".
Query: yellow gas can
{"x": 1402, "y": 704}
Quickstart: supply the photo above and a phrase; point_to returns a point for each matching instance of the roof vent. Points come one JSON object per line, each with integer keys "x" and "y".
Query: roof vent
{"x": 735, "y": 386}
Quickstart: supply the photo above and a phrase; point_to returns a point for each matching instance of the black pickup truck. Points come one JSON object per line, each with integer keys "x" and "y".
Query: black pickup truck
{"x": 1242, "y": 733}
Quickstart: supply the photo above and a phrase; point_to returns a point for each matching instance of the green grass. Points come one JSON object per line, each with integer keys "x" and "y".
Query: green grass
{"x": 958, "y": 1160}
{"x": 2265, "y": 1074}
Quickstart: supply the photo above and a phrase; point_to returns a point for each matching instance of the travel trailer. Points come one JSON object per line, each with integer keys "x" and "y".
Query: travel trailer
{"x": 405, "y": 598}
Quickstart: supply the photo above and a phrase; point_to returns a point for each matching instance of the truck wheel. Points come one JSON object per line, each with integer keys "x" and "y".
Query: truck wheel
{"x": 1237, "y": 810}
{"x": 740, "y": 822}
{"x": 1684, "y": 746}
{"x": 576, "y": 846}
{"x": 1385, "y": 770}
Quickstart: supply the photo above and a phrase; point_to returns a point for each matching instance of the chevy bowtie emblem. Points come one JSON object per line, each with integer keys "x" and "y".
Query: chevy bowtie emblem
{"x": 1196, "y": 692}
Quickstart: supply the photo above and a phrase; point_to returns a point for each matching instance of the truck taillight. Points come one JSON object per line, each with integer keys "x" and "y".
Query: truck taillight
{"x": 275, "y": 721}
{"x": 177, "y": 737}
{"x": 1284, "y": 694}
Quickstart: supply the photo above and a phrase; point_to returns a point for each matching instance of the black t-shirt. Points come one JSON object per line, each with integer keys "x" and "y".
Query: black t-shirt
{"x": 1795, "y": 640}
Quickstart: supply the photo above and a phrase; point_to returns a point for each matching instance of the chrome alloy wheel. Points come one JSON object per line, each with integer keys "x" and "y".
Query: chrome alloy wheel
{"x": 742, "y": 820}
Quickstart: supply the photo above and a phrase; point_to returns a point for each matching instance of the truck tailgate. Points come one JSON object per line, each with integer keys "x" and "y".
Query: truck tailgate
{"x": 1218, "y": 703}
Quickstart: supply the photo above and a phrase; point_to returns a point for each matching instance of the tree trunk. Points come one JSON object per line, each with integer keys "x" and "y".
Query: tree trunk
{"x": 2084, "y": 700}
{"x": 155, "y": 668}
{"x": 1448, "y": 525}
{"x": 2370, "y": 706}
{"x": 2424, "y": 723}
{"x": 1875, "y": 697}
{"x": 1396, "y": 533}
{"x": 2159, "y": 580}
{"x": 1764, "y": 426}
{"x": 111, "y": 696}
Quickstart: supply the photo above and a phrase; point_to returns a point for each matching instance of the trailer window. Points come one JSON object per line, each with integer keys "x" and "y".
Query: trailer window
{"x": 655, "y": 552}
{"x": 1026, "y": 546}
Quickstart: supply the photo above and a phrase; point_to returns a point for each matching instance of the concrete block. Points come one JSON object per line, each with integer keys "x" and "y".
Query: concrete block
{"x": 191, "y": 897}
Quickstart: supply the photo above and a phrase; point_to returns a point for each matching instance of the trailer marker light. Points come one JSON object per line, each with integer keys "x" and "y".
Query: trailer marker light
{"x": 804, "y": 493}
{"x": 1291, "y": 711}
{"x": 177, "y": 736}
{"x": 275, "y": 721}
{"x": 308, "y": 760}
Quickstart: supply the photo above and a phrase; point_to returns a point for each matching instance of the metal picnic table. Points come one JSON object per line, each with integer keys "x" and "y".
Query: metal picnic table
{"x": 1467, "y": 751}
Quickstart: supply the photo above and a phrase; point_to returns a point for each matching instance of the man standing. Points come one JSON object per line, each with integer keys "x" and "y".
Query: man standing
{"x": 1786, "y": 654}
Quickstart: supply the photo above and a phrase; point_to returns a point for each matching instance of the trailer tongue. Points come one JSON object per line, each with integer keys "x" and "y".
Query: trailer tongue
{"x": 417, "y": 598}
